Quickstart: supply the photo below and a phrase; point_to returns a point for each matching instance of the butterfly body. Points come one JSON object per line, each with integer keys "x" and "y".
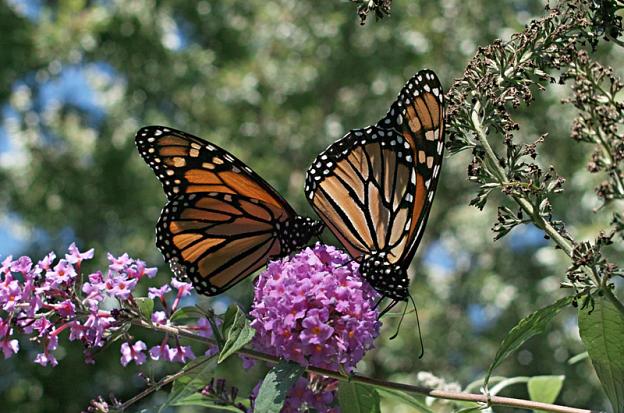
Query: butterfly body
{"x": 389, "y": 279}
{"x": 222, "y": 221}
{"x": 374, "y": 187}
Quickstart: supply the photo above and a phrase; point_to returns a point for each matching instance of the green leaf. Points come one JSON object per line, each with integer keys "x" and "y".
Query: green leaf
{"x": 533, "y": 324}
{"x": 545, "y": 389}
{"x": 358, "y": 398}
{"x": 228, "y": 318}
{"x": 602, "y": 332}
{"x": 236, "y": 331}
{"x": 192, "y": 382}
{"x": 198, "y": 399}
{"x": 275, "y": 386}
{"x": 185, "y": 313}
{"x": 146, "y": 307}
{"x": 404, "y": 398}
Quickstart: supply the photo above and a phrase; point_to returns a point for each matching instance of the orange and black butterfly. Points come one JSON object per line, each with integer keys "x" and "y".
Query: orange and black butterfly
{"x": 374, "y": 187}
{"x": 222, "y": 221}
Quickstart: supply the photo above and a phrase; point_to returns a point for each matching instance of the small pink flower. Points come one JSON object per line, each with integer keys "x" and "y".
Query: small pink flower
{"x": 75, "y": 256}
{"x": 7, "y": 263}
{"x": 23, "y": 265}
{"x": 162, "y": 352}
{"x": 9, "y": 347}
{"x": 182, "y": 287}
{"x": 46, "y": 262}
{"x": 133, "y": 352}
{"x": 154, "y": 292}
{"x": 159, "y": 317}
{"x": 182, "y": 354}
{"x": 120, "y": 286}
{"x": 119, "y": 264}
{"x": 139, "y": 270}
{"x": 65, "y": 308}
{"x": 46, "y": 358}
{"x": 63, "y": 273}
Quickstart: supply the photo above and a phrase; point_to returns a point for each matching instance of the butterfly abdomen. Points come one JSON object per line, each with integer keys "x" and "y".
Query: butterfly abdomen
{"x": 387, "y": 278}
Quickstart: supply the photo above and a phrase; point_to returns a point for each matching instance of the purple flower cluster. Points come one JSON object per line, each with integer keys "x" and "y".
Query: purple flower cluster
{"x": 302, "y": 397}
{"x": 47, "y": 298}
{"x": 313, "y": 308}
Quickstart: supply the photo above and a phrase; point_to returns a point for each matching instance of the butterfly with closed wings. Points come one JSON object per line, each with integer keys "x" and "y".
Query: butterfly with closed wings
{"x": 374, "y": 187}
{"x": 222, "y": 221}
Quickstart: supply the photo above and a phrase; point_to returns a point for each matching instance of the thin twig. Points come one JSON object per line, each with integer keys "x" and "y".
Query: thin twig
{"x": 162, "y": 383}
{"x": 356, "y": 378}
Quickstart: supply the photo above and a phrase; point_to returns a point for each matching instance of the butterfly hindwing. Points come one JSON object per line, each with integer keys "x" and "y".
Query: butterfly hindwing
{"x": 217, "y": 239}
{"x": 418, "y": 114}
{"x": 362, "y": 186}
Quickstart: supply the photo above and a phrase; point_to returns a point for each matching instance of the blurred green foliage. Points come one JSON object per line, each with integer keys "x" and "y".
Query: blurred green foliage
{"x": 274, "y": 82}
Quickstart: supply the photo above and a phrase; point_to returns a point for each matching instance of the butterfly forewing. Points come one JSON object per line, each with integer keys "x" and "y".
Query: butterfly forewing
{"x": 187, "y": 164}
{"x": 418, "y": 114}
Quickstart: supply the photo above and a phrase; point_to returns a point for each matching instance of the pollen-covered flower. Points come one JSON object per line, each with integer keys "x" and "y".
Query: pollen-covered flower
{"x": 313, "y": 308}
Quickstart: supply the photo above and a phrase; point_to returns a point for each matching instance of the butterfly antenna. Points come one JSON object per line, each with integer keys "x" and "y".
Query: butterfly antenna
{"x": 422, "y": 345}
{"x": 400, "y": 322}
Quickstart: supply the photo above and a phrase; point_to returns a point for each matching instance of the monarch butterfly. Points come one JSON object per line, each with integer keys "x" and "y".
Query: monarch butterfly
{"x": 374, "y": 187}
{"x": 222, "y": 221}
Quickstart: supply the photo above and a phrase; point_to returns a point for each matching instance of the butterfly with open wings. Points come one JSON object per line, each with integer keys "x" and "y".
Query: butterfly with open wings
{"x": 374, "y": 187}
{"x": 222, "y": 221}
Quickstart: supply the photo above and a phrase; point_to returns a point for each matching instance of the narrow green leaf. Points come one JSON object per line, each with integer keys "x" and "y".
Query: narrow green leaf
{"x": 404, "y": 398}
{"x": 198, "y": 399}
{"x": 146, "y": 307}
{"x": 545, "y": 389}
{"x": 358, "y": 398}
{"x": 275, "y": 386}
{"x": 237, "y": 333}
{"x": 535, "y": 323}
{"x": 602, "y": 332}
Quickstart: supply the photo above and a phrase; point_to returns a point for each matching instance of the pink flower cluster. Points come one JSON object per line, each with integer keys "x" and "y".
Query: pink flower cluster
{"x": 47, "y": 298}
{"x": 313, "y": 308}
{"x": 301, "y": 397}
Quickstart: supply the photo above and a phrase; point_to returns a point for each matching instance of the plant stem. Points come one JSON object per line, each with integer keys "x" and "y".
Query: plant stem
{"x": 501, "y": 175}
{"x": 356, "y": 378}
{"x": 564, "y": 244}
{"x": 162, "y": 383}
